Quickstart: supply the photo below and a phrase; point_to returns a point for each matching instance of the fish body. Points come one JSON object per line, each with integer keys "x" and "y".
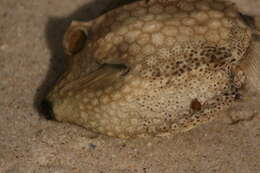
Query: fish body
{"x": 152, "y": 67}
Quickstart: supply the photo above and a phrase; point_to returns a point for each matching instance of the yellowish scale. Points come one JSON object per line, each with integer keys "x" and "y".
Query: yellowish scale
{"x": 153, "y": 67}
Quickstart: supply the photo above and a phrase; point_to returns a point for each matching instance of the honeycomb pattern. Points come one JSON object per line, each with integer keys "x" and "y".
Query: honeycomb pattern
{"x": 152, "y": 68}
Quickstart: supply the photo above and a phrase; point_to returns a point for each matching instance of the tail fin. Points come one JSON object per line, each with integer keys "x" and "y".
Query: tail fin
{"x": 251, "y": 67}
{"x": 249, "y": 105}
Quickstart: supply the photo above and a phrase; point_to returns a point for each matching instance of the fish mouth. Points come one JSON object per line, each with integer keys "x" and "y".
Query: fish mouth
{"x": 47, "y": 109}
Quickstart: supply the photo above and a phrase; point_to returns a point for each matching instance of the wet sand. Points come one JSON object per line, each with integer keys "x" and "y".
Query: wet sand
{"x": 31, "y": 58}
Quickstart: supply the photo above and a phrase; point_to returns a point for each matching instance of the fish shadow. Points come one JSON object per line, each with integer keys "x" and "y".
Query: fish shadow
{"x": 54, "y": 31}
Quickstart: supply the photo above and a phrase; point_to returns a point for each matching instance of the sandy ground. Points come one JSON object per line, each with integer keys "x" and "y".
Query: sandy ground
{"x": 30, "y": 61}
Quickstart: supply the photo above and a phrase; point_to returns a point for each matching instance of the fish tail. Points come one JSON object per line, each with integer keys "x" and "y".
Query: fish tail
{"x": 251, "y": 68}
{"x": 250, "y": 101}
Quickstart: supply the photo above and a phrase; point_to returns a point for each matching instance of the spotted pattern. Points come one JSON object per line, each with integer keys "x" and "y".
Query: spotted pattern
{"x": 152, "y": 68}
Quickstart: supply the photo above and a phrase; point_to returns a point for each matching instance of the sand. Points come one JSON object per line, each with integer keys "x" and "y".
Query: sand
{"x": 31, "y": 59}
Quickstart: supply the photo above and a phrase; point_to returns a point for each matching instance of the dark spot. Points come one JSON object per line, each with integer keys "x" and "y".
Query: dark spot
{"x": 181, "y": 70}
{"x": 178, "y": 62}
{"x": 92, "y": 146}
{"x": 175, "y": 73}
{"x": 158, "y": 74}
{"x": 213, "y": 56}
{"x": 237, "y": 96}
{"x": 226, "y": 56}
{"x": 195, "y": 105}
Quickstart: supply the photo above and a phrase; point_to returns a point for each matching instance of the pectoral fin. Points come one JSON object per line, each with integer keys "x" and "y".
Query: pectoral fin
{"x": 106, "y": 75}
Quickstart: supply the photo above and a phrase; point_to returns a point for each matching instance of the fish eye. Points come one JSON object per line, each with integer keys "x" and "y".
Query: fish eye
{"x": 75, "y": 39}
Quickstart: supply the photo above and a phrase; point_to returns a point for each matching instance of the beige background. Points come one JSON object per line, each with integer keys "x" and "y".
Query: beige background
{"x": 30, "y": 61}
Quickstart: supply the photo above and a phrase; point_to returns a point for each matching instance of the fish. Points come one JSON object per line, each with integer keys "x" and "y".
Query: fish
{"x": 155, "y": 68}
